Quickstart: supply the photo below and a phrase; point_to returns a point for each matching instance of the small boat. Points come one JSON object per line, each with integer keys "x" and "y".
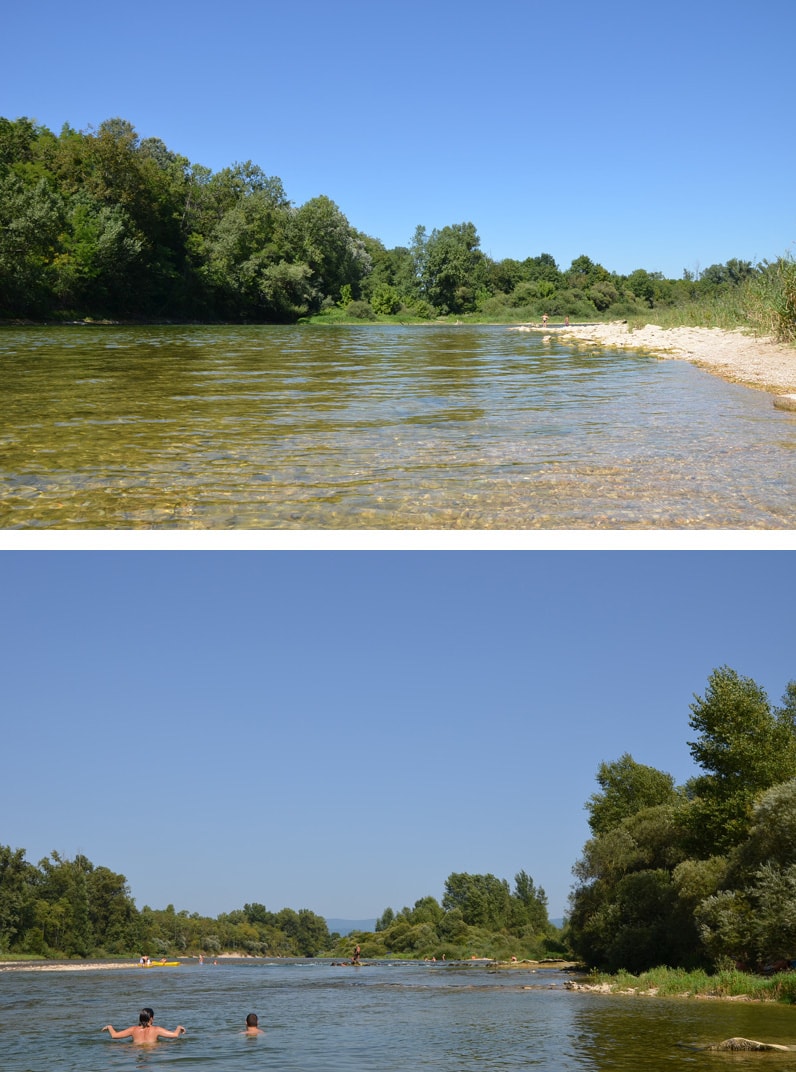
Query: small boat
{"x": 161, "y": 964}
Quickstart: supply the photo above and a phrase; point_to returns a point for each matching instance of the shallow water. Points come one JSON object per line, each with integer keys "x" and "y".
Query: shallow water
{"x": 376, "y": 427}
{"x": 378, "y": 1018}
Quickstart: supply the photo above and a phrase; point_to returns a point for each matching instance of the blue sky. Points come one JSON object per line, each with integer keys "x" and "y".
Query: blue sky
{"x": 341, "y": 731}
{"x": 645, "y": 136}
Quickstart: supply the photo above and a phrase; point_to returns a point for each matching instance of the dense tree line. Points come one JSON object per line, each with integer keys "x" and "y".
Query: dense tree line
{"x": 479, "y": 916}
{"x": 102, "y": 223}
{"x": 704, "y": 874}
{"x": 698, "y": 875}
{"x": 72, "y": 908}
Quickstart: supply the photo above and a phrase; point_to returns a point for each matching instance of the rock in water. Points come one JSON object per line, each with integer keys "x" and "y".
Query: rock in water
{"x": 738, "y": 1045}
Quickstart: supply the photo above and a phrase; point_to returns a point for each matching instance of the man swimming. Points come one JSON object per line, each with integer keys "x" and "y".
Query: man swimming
{"x": 251, "y": 1025}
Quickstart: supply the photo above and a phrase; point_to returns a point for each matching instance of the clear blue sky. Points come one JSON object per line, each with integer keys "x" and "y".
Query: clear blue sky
{"x": 342, "y": 730}
{"x": 645, "y": 136}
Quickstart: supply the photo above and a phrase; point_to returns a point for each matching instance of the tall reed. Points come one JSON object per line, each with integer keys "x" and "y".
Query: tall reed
{"x": 769, "y": 299}
{"x": 676, "y": 982}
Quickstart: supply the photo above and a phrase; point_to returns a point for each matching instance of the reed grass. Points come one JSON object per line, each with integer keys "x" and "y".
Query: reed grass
{"x": 677, "y": 982}
{"x": 725, "y": 312}
{"x": 764, "y": 305}
{"x": 770, "y": 300}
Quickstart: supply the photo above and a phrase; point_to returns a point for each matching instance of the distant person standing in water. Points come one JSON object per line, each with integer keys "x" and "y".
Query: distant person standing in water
{"x": 251, "y": 1025}
{"x": 355, "y": 958}
{"x": 145, "y": 1032}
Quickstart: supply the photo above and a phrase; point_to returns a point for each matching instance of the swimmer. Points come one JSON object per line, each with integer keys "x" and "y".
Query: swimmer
{"x": 251, "y": 1025}
{"x": 152, "y": 1018}
{"x": 145, "y": 1032}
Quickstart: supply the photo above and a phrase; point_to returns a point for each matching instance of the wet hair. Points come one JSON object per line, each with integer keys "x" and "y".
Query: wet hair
{"x": 251, "y": 1019}
{"x": 145, "y": 1018}
{"x": 151, "y": 1012}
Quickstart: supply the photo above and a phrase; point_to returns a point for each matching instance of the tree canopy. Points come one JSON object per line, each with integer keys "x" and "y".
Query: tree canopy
{"x": 72, "y": 908}
{"x": 102, "y": 223}
{"x": 480, "y": 915}
{"x": 703, "y": 874}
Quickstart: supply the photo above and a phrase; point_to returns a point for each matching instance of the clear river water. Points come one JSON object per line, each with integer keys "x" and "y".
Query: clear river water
{"x": 376, "y": 427}
{"x": 384, "y": 1017}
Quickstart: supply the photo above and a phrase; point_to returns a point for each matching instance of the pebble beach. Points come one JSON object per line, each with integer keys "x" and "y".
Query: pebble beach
{"x": 754, "y": 361}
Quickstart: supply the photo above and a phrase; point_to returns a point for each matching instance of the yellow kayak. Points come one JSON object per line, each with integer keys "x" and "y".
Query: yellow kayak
{"x": 162, "y": 964}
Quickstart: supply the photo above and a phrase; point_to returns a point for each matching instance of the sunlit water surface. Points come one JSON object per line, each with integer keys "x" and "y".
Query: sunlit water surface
{"x": 377, "y": 1018}
{"x": 376, "y": 427}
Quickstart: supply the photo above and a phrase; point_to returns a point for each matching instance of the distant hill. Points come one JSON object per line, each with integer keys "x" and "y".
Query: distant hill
{"x": 345, "y": 926}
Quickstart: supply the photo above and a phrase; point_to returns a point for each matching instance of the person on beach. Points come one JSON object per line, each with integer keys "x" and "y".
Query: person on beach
{"x": 251, "y": 1025}
{"x": 145, "y": 1032}
{"x": 545, "y": 318}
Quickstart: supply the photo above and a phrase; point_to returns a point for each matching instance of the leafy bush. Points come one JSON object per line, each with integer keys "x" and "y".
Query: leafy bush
{"x": 361, "y": 310}
{"x": 423, "y": 310}
{"x": 524, "y": 293}
{"x": 385, "y": 300}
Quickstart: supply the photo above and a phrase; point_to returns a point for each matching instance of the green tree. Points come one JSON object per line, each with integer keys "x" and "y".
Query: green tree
{"x": 627, "y": 911}
{"x": 774, "y": 913}
{"x": 505, "y": 275}
{"x": 31, "y": 218}
{"x": 453, "y": 268}
{"x": 744, "y": 747}
{"x": 772, "y": 833}
{"x": 529, "y": 905}
{"x": 101, "y": 251}
{"x": 17, "y": 897}
{"x": 112, "y": 912}
{"x": 257, "y": 913}
{"x": 392, "y": 280}
{"x": 483, "y": 900}
{"x": 627, "y": 787}
{"x": 80, "y": 939}
{"x": 602, "y": 295}
{"x": 543, "y": 268}
{"x": 312, "y": 936}
{"x": 240, "y": 254}
{"x": 642, "y": 286}
{"x": 334, "y": 251}
{"x": 584, "y": 272}
{"x": 385, "y": 920}
{"x": 427, "y": 910}
{"x": 287, "y": 291}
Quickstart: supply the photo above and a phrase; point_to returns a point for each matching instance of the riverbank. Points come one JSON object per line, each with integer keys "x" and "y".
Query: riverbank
{"x": 66, "y": 965}
{"x": 111, "y": 965}
{"x": 759, "y": 362}
{"x": 729, "y": 985}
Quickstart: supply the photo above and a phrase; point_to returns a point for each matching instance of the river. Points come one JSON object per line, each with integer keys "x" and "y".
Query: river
{"x": 382, "y": 1017}
{"x": 376, "y": 427}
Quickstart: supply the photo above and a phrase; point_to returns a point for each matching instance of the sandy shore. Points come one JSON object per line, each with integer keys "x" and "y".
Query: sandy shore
{"x": 66, "y": 965}
{"x": 753, "y": 361}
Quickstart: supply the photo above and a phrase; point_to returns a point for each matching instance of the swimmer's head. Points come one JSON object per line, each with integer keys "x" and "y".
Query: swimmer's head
{"x": 144, "y": 1018}
{"x": 251, "y": 1019}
